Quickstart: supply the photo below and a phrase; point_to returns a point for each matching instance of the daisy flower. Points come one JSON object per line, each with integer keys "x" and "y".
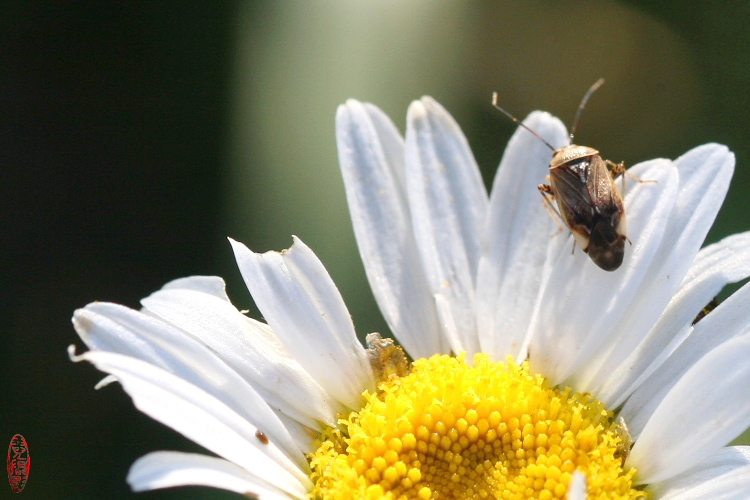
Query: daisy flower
{"x": 533, "y": 373}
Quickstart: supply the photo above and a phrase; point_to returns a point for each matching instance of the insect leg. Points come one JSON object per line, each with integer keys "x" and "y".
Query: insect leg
{"x": 619, "y": 169}
{"x": 547, "y": 197}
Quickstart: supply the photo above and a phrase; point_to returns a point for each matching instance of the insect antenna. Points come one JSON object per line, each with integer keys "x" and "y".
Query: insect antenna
{"x": 517, "y": 122}
{"x": 585, "y": 99}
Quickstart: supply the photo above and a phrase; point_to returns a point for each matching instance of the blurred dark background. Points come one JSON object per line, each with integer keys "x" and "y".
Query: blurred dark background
{"x": 135, "y": 137}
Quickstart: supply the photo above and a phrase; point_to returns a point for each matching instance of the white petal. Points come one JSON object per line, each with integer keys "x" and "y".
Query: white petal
{"x": 728, "y": 320}
{"x": 201, "y": 418}
{"x": 723, "y": 476}
{"x": 715, "y": 266}
{"x": 708, "y": 407}
{"x": 212, "y": 285}
{"x": 248, "y": 347}
{"x": 581, "y": 302}
{"x": 109, "y": 379}
{"x": 302, "y": 435}
{"x": 116, "y": 328}
{"x": 296, "y": 296}
{"x": 577, "y": 486}
{"x": 167, "y": 469}
{"x": 516, "y": 236}
{"x": 371, "y": 156}
{"x": 448, "y": 203}
{"x": 704, "y": 173}
{"x": 447, "y": 321}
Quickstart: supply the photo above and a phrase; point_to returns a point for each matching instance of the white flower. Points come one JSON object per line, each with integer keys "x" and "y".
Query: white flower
{"x": 454, "y": 270}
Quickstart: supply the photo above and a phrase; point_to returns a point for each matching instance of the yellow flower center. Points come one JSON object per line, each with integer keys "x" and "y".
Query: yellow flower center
{"x": 450, "y": 430}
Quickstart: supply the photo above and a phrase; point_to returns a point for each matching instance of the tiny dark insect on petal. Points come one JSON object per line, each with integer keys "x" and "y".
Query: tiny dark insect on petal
{"x": 706, "y": 309}
{"x": 261, "y": 437}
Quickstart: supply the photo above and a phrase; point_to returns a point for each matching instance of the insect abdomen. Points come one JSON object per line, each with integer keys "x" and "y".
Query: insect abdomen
{"x": 606, "y": 245}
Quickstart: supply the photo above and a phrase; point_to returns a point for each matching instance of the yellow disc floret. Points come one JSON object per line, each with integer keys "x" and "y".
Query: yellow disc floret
{"x": 450, "y": 430}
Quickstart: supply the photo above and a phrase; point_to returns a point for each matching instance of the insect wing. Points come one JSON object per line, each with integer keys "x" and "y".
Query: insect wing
{"x": 602, "y": 189}
{"x": 571, "y": 190}
{"x": 607, "y": 233}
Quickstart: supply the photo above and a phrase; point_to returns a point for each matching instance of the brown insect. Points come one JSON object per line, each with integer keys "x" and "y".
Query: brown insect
{"x": 386, "y": 358}
{"x": 261, "y": 437}
{"x": 588, "y": 201}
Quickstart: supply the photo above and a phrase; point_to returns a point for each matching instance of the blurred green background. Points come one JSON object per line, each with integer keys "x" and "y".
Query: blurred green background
{"x": 136, "y": 137}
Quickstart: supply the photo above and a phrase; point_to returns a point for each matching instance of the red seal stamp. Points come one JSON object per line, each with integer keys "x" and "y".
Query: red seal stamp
{"x": 18, "y": 463}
